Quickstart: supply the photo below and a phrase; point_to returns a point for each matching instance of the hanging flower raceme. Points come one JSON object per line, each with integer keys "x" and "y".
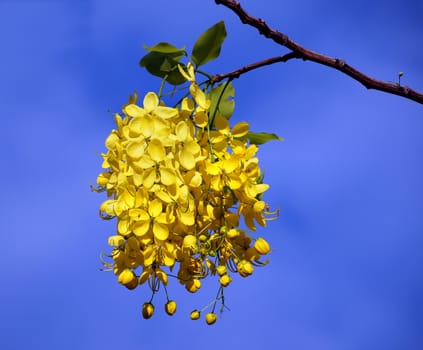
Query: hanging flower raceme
{"x": 181, "y": 184}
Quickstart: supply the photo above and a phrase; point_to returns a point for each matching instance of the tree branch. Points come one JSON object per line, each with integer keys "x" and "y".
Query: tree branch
{"x": 236, "y": 73}
{"x": 306, "y": 54}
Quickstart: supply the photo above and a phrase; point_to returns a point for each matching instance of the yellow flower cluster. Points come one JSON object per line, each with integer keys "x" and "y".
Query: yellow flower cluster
{"x": 178, "y": 184}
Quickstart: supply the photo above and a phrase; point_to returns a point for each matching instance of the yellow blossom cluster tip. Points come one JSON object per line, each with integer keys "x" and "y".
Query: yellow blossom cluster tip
{"x": 178, "y": 184}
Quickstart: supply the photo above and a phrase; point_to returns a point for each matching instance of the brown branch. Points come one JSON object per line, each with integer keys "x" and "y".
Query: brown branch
{"x": 306, "y": 54}
{"x": 236, "y": 73}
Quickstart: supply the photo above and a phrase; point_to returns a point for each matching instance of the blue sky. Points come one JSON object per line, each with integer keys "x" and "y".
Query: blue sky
{"x": 345, "y": 272}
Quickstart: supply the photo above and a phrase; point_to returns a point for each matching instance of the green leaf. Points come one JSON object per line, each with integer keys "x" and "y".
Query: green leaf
{"x": 208, "y": 45}
{"x": 221, "y": 100}
{"x": 259, "y": 138}
{"x": 164, "y": 65}
{"x": 166, "y": 48}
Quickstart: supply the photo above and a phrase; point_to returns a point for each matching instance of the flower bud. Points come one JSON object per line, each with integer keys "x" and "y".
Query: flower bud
{"x": 203, "y": 238}
{"x": 107, "y": 208}
{"x": 116, "y": 240}
{"x": 147, "y": 310}
{"x": 170, "y": 307}
{"x": 259, "y": 206}
{"x": 193, "y": 285}
{"x": 103, "y": 179}
{"x": 189, "y": 242}
{"x": 223, "y": 230}
{"x": 195, "y": 315}
{"x": 245, "y": 268}
{"x": 221, "y": 270}
{"x": 111, "y": 140}
{"x": 133, "y": 284}
{"x": 126, "y": 276}
{"x": 262, "y": 246}
{"x": 211, "y": 318}
{"x": 232, "y": 233}
{"x": 225, "y": 280}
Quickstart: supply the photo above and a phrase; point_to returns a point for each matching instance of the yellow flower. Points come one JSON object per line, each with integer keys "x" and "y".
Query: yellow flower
{"x": 178, "y": 185}
{"x": 151, "y": 107}
{"x": 189, "y": 150}
{"x": 154, "y": 219}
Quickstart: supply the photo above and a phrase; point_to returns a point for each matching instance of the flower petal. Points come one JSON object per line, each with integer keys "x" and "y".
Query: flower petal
{"x": 140, "y": 228}
{"x": 123, "y": 226}
{"x": 151, "y": 101}
{"x": 135, "y": 149}
{"x": 182, "y": 130}
{"x": 138, "y": 214}
{"x": 167, "y": 176}
{"x": 155, "y": 208}
{"x": 137, "y": 126}
{"x": 187, "y": 159}
{"x": 145, "y": 162}
{"x": 166, "y": 112}
{"x": 161, "y": 231}
{"x": 149, "y": 177}
{"x": 199, "y": 96}
{"x": 240, "y": 129}
{"x": 201, "y": 119}
{"x": 167, "y": 258}
{"x": 134, "y": 110}
{"x": 186, "y": 217}
{"x": 156, "y": 150}
{"x": 150, "y": 254}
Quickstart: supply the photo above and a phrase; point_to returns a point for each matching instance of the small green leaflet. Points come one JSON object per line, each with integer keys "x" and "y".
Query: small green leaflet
{"x": 163, "y": 65}
{"x": 162, "y": 61}
{"x": 166, "y": 48}
{"x": 208, "y": 45}
{"x": 259, "y": 138}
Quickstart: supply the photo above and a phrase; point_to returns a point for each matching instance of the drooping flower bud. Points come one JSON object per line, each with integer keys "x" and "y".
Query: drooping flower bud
{"x": 195, "y": 315}
{"x": 211, "y": 318}
{"x": 170, "y": 307}
{"x": 225, "y": 280}
{"x": 221, "y": 270}
{"x": 126, "y": 276}
{"x": 193, "y": 285}
{"x": 133, "y": 284}
{"x": 147, "y": 310}
{"x": 245, "y": 268}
